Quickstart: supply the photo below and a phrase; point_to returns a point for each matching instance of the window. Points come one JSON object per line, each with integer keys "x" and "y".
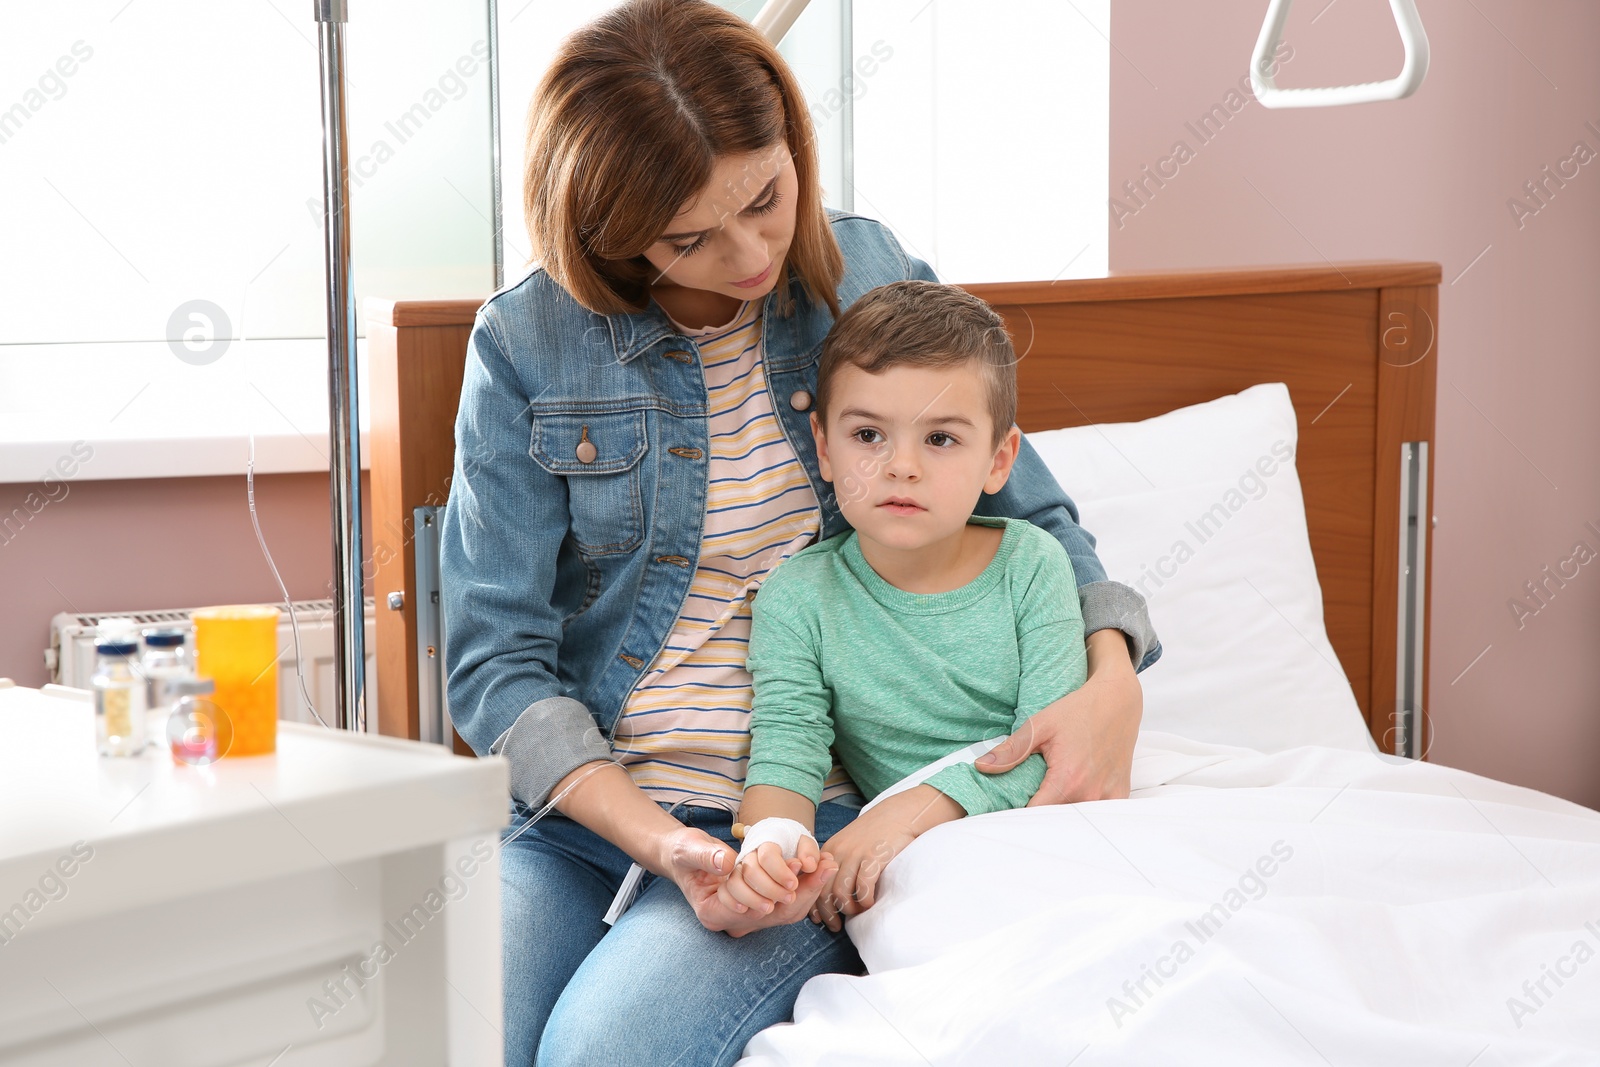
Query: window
{"x": 167, "y": 157}
{"x": 982, "y": 133}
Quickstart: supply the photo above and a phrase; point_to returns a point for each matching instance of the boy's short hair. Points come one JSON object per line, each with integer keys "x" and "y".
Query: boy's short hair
{"x": 923, "y": 324}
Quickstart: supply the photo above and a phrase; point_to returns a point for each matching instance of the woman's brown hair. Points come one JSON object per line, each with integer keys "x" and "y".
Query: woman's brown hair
{"x": 625, "y": 128}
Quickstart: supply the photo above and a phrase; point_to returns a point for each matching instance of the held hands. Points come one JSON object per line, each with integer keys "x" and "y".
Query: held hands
{"x": 701, "y": 866}
{"x": 763, "y": 880}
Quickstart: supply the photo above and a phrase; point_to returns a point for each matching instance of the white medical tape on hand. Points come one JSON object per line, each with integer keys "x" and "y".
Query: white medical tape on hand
{"x": 786, "y": 833}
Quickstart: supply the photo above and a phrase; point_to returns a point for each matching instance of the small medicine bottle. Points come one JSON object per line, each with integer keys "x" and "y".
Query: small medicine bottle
{"x": 119, "y": 697}
{"x": 165, "y": 660}
{"x": 197, "y": 732}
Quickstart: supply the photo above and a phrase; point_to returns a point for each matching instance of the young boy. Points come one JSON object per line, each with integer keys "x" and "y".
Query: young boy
{"x": 923, "y": 629}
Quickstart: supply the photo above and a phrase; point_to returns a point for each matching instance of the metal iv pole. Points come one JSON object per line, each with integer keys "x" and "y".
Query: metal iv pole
{"x": 344, "y": 469}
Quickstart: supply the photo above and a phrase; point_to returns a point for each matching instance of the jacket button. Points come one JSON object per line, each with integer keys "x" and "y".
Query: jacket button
{"x": 799, "y": 399}
{"x": 585, "y": 449}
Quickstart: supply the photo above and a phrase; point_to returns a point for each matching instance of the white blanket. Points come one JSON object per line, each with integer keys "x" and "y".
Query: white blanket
{"x": 1315, "y": 906}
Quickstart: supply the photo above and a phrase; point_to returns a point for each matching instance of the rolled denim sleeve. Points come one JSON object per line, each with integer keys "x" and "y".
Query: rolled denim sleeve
{"x": 1032, "y": 493}
{"x": 502, "y": 524}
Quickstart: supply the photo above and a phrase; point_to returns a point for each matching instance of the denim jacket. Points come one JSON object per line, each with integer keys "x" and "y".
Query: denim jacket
{"x": 578, "y": 502}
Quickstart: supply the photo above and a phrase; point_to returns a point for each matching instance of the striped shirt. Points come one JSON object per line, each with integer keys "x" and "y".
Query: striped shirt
{"x": 684, "y": 730}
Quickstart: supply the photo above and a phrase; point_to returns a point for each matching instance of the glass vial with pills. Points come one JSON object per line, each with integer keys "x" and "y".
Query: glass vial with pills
{"x": 119, "y": 697}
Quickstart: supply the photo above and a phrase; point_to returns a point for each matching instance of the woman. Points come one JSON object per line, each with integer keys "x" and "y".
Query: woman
{"x": 633, "y": 458}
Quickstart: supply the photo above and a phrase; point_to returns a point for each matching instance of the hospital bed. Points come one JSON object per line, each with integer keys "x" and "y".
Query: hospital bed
{"x": 1252, "y": 450}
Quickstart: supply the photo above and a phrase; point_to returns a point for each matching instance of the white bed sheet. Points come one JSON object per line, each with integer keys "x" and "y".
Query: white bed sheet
{"x": 1363, "y": 910}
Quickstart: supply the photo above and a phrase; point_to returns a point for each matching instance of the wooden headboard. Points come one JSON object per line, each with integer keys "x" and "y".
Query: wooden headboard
{"x": 1356, "y": 343}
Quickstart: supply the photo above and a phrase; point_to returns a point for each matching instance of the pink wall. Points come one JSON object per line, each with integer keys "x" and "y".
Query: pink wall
{"x": 1511, "y": 88}
{"x": 158, "y": 543}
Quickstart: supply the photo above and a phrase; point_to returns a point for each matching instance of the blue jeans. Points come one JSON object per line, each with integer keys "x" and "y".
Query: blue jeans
{"x": 657, "y": 988}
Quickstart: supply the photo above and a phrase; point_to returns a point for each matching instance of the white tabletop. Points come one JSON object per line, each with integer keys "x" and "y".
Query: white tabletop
{"x": 325, "y": 797}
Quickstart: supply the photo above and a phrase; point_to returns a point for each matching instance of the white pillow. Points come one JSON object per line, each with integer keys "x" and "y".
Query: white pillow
{"x": 1200, "y": 510}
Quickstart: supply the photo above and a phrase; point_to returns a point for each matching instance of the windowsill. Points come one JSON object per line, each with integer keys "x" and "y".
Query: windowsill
{"x": 97, "y": 412}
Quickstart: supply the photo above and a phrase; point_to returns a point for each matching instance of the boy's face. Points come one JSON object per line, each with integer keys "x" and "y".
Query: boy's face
{"x": 920, "y": 434}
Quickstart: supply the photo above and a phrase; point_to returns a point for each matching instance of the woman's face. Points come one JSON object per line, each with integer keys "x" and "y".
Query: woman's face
{"x": 732, "y": 239}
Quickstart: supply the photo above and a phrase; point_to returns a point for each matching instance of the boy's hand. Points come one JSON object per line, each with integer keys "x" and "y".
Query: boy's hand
{"x": 863, "y": 849}
{"x": 764, "y": 880}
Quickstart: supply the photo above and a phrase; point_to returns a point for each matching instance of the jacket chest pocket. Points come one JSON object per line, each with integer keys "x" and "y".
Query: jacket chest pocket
{"x": 598, "y": 455}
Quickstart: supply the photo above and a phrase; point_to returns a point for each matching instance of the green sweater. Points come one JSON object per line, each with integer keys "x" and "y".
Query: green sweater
{"x": 895, "y": 680}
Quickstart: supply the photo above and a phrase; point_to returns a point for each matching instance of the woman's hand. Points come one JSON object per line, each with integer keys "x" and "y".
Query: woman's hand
{"x": 1087, "y": 736}
{"x": 700, "y": 864}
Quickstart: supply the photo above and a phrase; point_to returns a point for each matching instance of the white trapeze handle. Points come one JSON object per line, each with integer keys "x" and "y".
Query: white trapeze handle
{"x": 776, "y": 16}
{"x": 1402, "y": 85}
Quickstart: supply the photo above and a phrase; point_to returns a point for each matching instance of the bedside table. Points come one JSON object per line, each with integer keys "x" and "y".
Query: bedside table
{"x": 336, "y": 902}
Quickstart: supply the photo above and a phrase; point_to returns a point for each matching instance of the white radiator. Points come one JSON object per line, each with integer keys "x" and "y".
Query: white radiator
{"x": 70, "y": 657}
